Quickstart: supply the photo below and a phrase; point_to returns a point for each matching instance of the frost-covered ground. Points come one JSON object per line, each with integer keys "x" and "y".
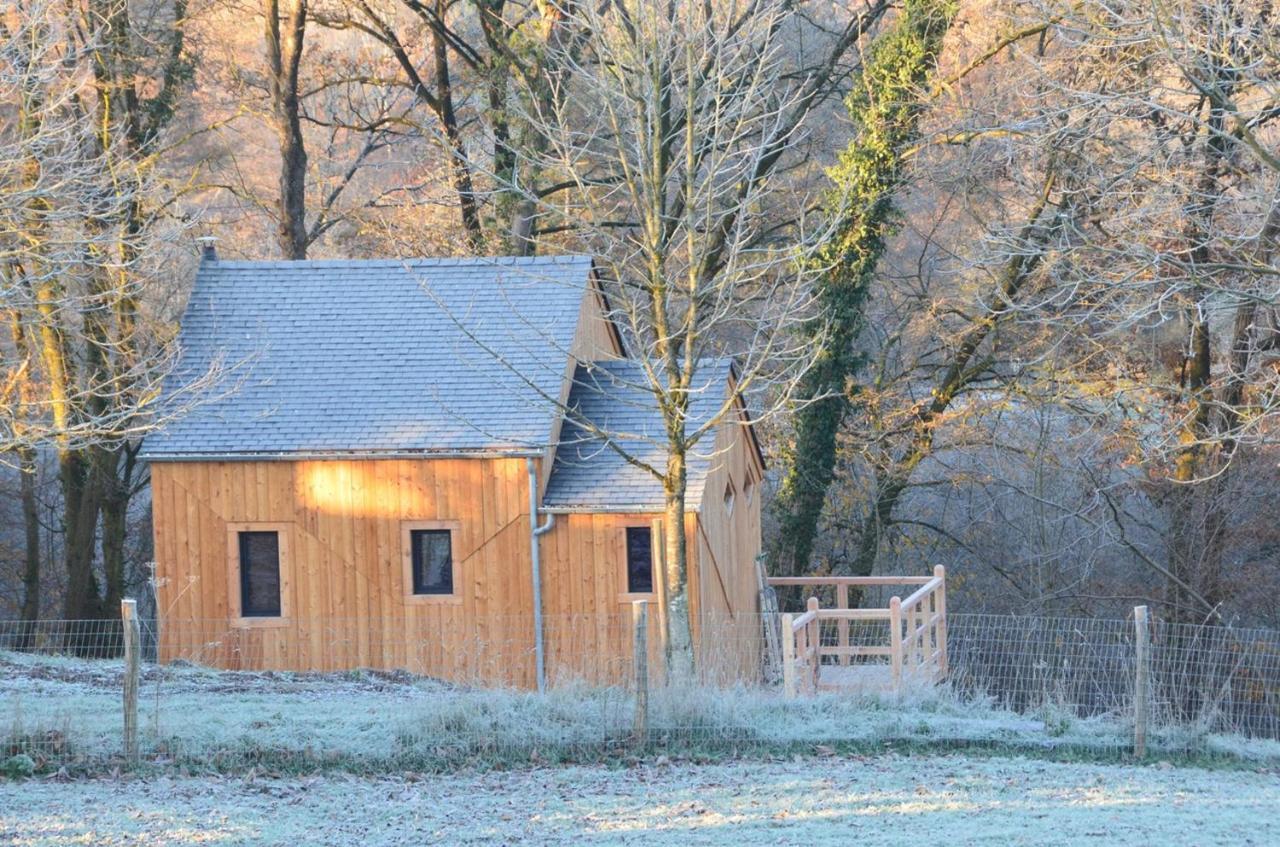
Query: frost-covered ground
{"x": 882, "y": 800}
{"x": 66, "y": 713}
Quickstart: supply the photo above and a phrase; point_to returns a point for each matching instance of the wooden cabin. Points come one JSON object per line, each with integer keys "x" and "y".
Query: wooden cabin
{"x": 356, "y": 490}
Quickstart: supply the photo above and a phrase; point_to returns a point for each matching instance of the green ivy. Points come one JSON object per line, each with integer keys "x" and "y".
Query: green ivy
{"x": 885, "y": 104}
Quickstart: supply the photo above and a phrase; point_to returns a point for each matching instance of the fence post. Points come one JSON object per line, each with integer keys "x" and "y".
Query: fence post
{"x": 813, "y": 645}
{"x": 640, "y": 658}
{"x": 788, "y": 656}
{"x": 842, "y": 627}
{"x": 941, "y": 632}
{"x": 895, "y": 642}
{"x": 1142, "y": 681}
{"x": 132, "y": 672}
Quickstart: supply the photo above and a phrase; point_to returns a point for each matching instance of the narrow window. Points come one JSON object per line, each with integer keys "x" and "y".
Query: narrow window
{"x": 639, "y": 560}
{"x": 749, "y": 489}
{"x": 432, "y": 551}
{"x": 259, "y": 574}
{"x": 729, "y": 496}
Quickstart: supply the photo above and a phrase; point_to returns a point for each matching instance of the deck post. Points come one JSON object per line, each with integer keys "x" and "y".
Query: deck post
{"x": 895, "y": 642}
{"x": 914, "y": 648}
{"x": 640, "y": 659}
{"x": 842, "y": 626}
{"x": 943, "y": 665}
{"x": 813, "y": 639}
{"x": 1141, "y": 682}
{"x": 132, "y": 672}
{"x": 788, "y": 656}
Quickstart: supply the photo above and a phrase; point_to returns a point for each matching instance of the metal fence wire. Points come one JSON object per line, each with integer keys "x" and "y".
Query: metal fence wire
{"x": 1217, "y": 679}
{"x": 337, "y": 692}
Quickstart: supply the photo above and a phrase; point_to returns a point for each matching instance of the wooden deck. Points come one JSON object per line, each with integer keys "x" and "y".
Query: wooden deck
{"x": 908, "y": 643}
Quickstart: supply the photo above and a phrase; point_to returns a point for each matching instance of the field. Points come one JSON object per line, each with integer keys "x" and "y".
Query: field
{"x": 65, "y": 713}
{"x": 377, "y": 758}
{"x": 889, "y": 799}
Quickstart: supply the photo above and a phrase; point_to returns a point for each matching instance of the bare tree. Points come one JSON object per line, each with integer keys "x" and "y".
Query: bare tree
{"x": 77, "y": 234}
{"x": 1140, "y": 301}
{"x": 1181, "y": 256}
{"x": 678, "y": 137}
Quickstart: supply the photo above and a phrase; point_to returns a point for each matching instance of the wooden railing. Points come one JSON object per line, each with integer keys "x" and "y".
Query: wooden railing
{"x": 801, "y": 651}
{"x": 915, "y": 642}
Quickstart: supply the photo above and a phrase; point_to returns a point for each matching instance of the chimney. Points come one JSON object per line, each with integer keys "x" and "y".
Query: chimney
{"x": 207, "y": 251}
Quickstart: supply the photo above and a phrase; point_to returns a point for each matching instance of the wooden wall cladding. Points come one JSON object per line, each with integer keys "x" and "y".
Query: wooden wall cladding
{"x": 347, "y": 603}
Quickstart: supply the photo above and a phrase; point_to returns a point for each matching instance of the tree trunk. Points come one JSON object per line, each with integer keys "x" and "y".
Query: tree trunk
{"x": 680, "y": 664}
{"x": 1197, "y": 515}
{"x": 284, "y": 56}
{"x": 28, "y": 471}
{"x": 458, "y": 158}
{"x": 81, "y": 506}
{"x": 117, "y": 468}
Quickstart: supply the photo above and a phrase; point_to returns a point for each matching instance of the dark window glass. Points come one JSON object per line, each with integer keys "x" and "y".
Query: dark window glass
{"x": 259, "y": 575}
{"x": 639, "y": 560}
{"x": 432, "y": 561}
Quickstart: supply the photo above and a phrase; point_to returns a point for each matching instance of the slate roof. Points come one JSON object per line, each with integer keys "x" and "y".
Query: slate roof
{"x": 377, "y": 357}
{"x": 589, "y": 475}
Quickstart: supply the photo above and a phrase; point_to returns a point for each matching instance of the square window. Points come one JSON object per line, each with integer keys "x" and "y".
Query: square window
{"x": 259, "y": 574}
{"x": 639, "y": 560}
{"x": 432, "y": 553}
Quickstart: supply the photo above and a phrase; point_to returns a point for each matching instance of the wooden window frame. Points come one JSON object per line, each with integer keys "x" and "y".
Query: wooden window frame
{"x": 406, "y": 561}
{"x": 284, "y": 540}
{"x": 655, "y": 558}
{"x": 729, "y": 496}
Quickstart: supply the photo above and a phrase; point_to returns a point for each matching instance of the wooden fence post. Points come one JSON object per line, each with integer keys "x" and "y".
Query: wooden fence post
{"x": 1142, "y": 680}
{"x": 842, "y": 627}
{"x": 895, "y": 642}
{"x": 640, "y": 658}
{"x": 943, "y": 665}
{"x": 788, "y": 657}
{"x": 132, "y": 672}
{"x": 813, "y": 645}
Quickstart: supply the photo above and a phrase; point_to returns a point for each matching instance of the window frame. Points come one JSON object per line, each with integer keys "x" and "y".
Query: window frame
{"x": 284, "y": 538}
{"x": 626, "y": 595}
{"x": 730, "y": 495}
{"x": 407, "y": 529}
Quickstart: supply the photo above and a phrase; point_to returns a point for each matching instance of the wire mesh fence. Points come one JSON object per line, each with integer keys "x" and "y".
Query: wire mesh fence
{"x": 391, "y": 693}
{"x": 1216, "y": 679}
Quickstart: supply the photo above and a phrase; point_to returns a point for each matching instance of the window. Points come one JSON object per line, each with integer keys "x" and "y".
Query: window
{"x": 639, "y": 560}
{"x": 432, "y": 566}
{"x": 258, "y": 572}
{"x": 432, "y": 552}
{"x": 729, "y": 496}
{"x": 749, "y": 489}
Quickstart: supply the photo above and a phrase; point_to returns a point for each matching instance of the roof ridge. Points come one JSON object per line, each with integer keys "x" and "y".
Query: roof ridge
{"x": 417, "y": 261}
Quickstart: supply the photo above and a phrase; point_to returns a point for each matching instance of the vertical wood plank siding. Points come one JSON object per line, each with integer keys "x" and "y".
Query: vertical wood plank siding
{"x": 347, "y": 592}
{"x": 728, "y": 544}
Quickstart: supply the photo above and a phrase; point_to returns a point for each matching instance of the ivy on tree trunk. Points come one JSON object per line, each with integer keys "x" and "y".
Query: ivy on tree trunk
{"x": 885, "y": 105}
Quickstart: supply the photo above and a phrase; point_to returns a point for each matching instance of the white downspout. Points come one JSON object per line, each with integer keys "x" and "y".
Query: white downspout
{"x": 539, "y": 657}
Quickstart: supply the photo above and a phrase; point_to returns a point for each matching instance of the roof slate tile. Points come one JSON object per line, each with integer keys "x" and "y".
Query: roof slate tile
{"x": 422, "y": 355}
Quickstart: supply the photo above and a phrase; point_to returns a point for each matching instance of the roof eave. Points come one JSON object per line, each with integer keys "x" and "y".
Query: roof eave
{"x": 335, "y": 455}
{"x": 622, "y": 509}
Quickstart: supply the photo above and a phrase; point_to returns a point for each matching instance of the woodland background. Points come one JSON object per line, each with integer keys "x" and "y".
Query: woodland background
{"x": 1031, "y": 244}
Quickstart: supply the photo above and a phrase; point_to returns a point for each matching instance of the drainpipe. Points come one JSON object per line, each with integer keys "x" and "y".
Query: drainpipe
{"x": 539, "y": 656}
